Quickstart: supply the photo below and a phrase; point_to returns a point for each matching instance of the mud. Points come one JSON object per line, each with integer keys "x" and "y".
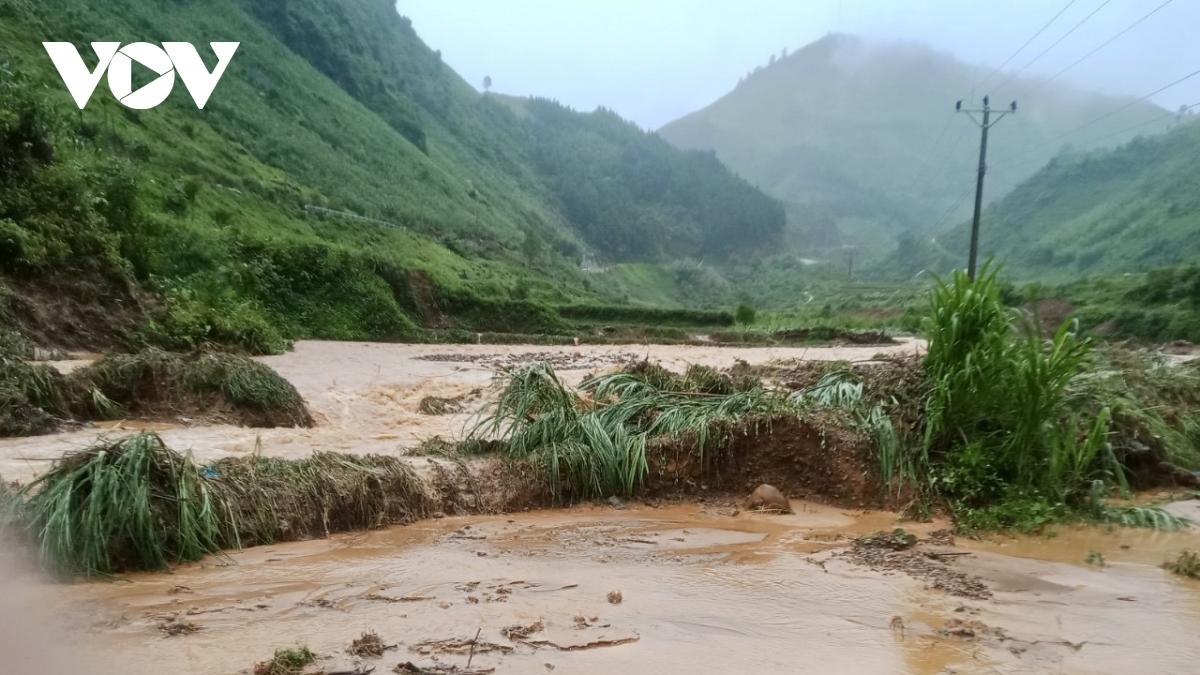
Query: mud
{"x": 701, "y": 590}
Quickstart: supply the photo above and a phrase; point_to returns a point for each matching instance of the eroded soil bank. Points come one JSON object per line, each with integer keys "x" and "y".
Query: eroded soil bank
{"x": 701, "y": 590}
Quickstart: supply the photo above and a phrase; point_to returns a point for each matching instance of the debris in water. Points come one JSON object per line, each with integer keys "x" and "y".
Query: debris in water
{"x": 405, "y": 598}
{"x": 410, "y": 668}
{"x": 878, "y": 552}
{"x": 1186, "y": 565}
{"x": 434, "y": 405}
{"x": 173, "y": 627}
{"x": 897, "y": 540}
{"x": 458, "y": 646}
{"x": 521, "y": 633}
{"x": 370, "y": 644}
{"x": 289, "y": 661}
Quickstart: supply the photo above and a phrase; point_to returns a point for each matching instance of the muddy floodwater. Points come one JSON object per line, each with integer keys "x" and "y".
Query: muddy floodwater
{"x": 700, "y": 590}
{"x": 694, "y": 588}
{"x": 366, "y": 396}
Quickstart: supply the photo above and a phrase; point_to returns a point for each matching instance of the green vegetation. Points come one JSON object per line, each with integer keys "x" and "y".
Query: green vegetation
{"x": 1158, "y": 307}
{"x": 342, "y": 183}
{"x": 131, "y": 504}
{"x": 153, "y": 382}
{"x": 861, "y": 141}
{"x": 595, "y": 446}
{"x": 1017, "y": 430}
{"x": 135, "y": 504}
{"x": 1130, "y": 209}
{"x": 637, "y": 198}
{"x": 289, "y": 661}
{"x": 30, "y": 396}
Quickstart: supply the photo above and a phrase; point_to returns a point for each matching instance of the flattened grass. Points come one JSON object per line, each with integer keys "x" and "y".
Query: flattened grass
{"x": 135, "y": 504}
{"x": 158, "y": 383}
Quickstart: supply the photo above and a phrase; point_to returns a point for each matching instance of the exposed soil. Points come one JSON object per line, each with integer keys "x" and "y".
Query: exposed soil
{"x": 803, "y": 458}
{"x": 83, "y": 312}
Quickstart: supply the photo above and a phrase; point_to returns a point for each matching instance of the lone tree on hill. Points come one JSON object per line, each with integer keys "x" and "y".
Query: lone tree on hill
{"x": 487, "y": 83}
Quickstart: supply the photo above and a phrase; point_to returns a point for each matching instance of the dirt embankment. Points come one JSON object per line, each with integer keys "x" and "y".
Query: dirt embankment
{"x": 804, "y": 458}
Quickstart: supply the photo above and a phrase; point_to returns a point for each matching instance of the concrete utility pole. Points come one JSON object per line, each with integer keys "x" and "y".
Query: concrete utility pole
{"x": 986, "y": 124}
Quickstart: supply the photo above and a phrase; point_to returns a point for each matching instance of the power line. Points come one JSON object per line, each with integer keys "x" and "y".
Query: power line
{"x": 1010, "y": 163}
{"x": 1106, "y": 43}
{"x": 1056, "y": 43}
{"x": 1089, "y": 123}
{"x": 966, "y": 193}
{"x": 1027, "y": 42}
{"x": 917, "y": 175}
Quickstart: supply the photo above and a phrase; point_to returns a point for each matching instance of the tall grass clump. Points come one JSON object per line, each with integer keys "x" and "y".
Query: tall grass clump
{"x": 30, "y": 395}
{"x": 130, "y": 504}
{"x": 1002, "y": 442}
{"x": 592, "y": 442}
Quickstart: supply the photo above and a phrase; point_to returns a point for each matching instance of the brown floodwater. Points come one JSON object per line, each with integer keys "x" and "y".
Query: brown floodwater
{"x": 365, "y": 396}
{"x": 702, "y": 590}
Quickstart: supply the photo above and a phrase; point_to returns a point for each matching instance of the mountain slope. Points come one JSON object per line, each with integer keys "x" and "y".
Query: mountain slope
{"x": 1128, "y": 209}
{"x": 342, "y": 182}
{"x": 866, "y": 134}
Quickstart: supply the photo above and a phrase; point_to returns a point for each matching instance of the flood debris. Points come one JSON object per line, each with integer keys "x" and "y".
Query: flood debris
{"x": 897, "y": 551}
{"x": 288, "y": 661}
{"x": 174, "y": 626}
{"x": 521, "y": 633}
{"x": 435, "y": 405}
{"x": 1186, "y": 564}
{"x": 557, "y": 359}
{"x": 409, "y": 668}
{"x": 462, "y": 646}
{"x": 405, "y": 598}
{"x": 896, "y": 540}
{"x": 369, "y": 644}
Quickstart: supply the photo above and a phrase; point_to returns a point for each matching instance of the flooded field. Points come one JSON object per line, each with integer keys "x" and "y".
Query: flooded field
{"x": 635, "y": 588}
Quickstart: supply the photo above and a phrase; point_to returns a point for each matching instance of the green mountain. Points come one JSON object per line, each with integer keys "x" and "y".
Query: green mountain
{"x": 342, "y": 182}
{"x": 1129, "y": 209}
{"x": 863, "y": 141}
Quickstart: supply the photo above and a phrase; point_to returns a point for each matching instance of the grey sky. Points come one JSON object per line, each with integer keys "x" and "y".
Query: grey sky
{"x": 655, "y": 60}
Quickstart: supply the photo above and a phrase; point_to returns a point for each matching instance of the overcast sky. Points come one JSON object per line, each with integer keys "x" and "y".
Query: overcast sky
{"x": 655, "y": 60}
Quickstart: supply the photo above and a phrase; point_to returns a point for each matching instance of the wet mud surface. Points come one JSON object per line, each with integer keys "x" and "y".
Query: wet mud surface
{"x": 680, "y": 589}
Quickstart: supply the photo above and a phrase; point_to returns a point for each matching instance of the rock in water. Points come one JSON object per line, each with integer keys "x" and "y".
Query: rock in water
{"x": 767, "y": 498}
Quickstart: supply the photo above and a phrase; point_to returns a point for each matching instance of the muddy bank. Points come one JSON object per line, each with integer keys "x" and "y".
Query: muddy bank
{"x": 700, "y": 590}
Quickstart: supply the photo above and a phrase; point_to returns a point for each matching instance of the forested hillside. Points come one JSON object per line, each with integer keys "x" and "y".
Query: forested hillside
{"x": 342, "y": 182}
{"x": 1129, "y": 209}
{"x": 863, "y": 137}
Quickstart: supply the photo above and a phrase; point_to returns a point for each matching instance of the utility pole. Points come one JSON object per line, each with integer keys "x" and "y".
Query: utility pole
{"x": 986, "y": 124}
